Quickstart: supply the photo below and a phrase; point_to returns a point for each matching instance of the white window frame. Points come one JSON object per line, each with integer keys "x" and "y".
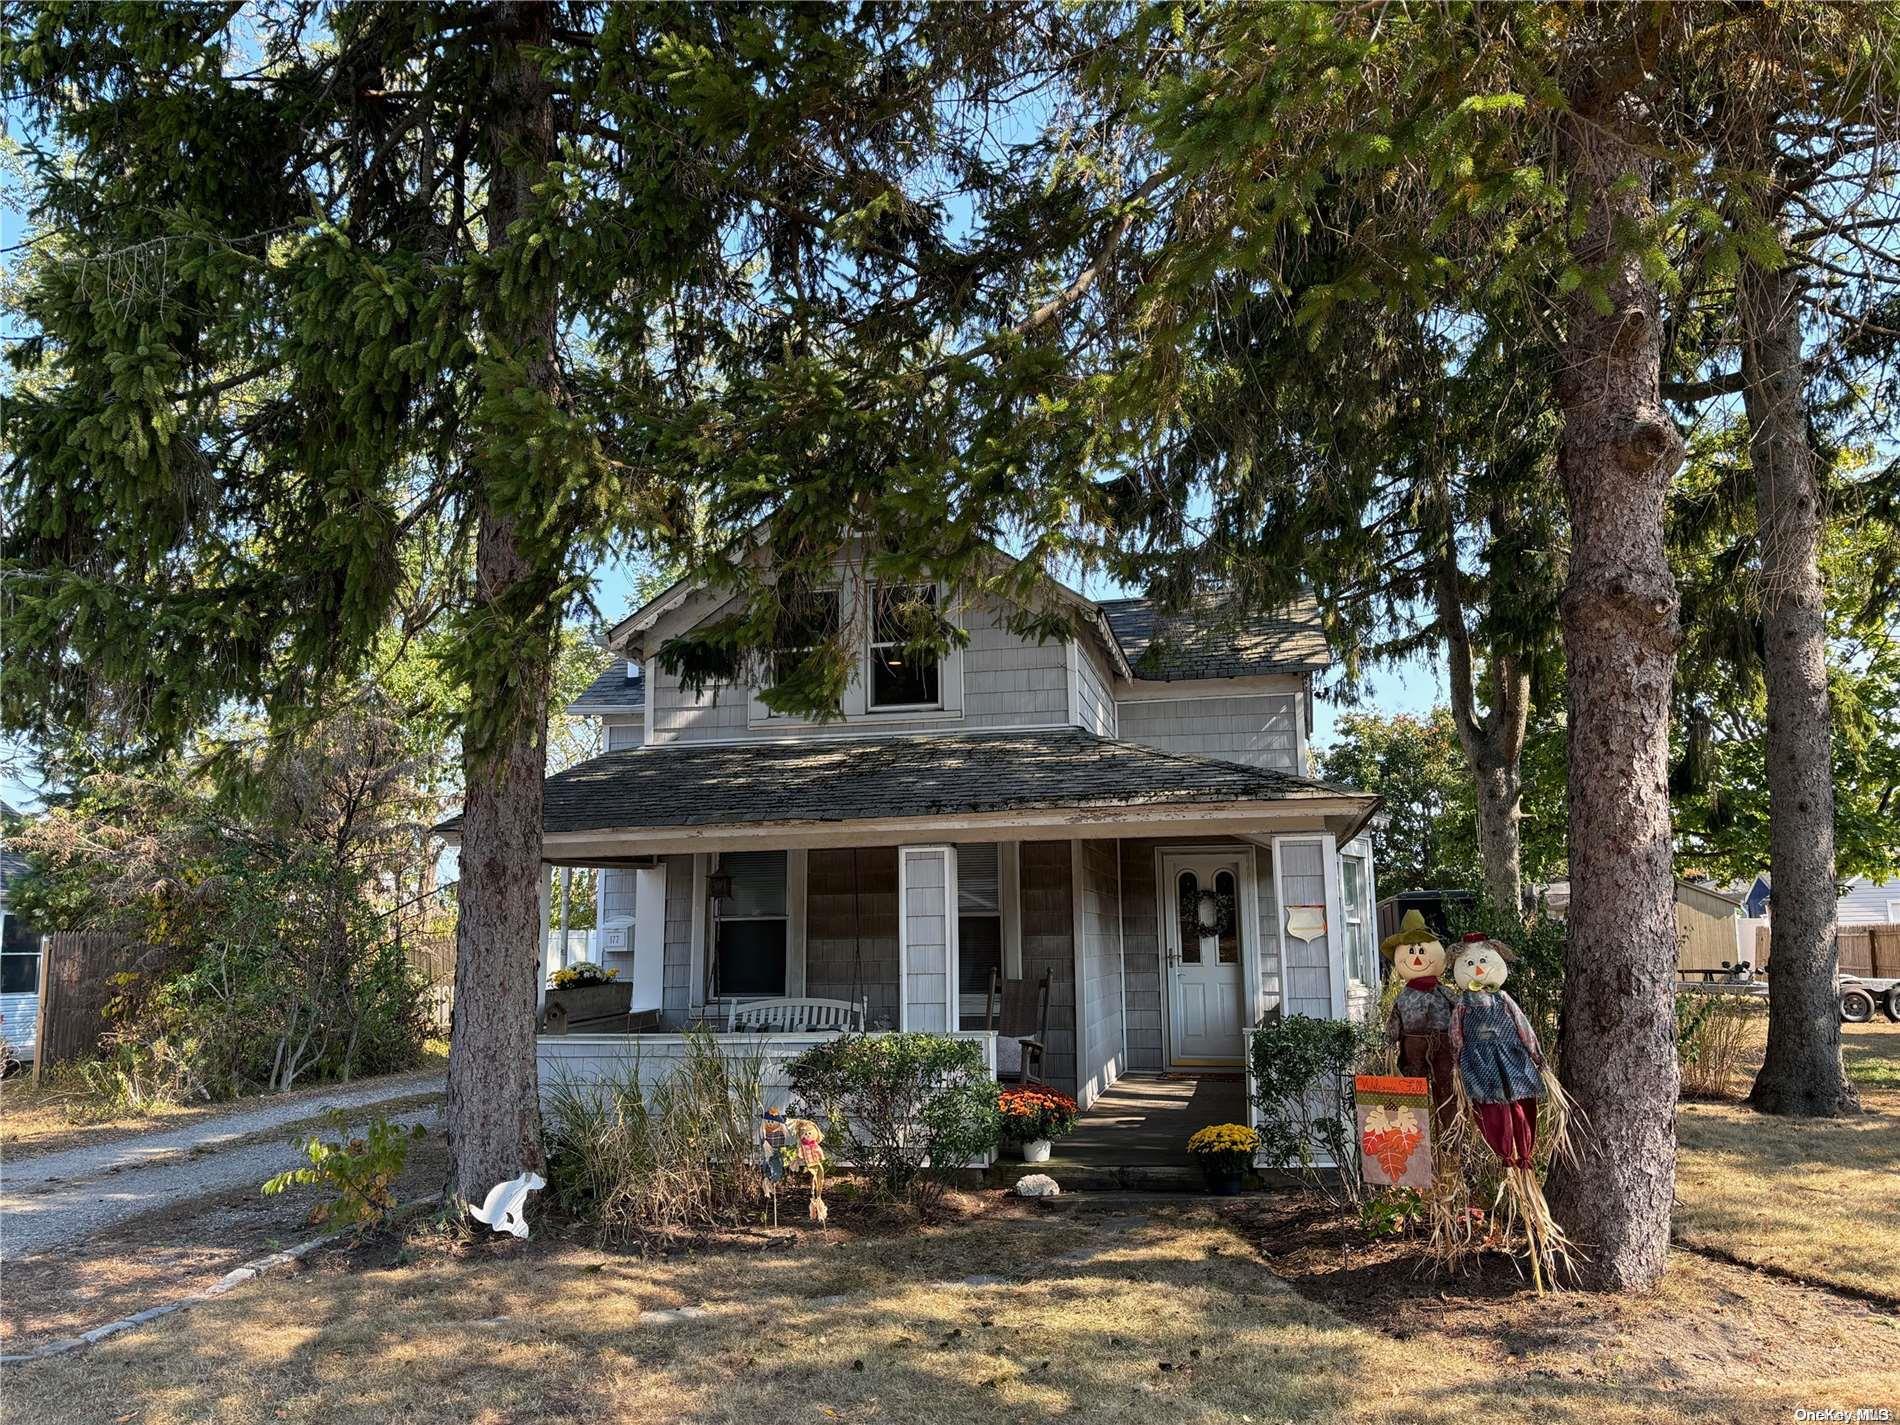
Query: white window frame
{"x": 1360, "y": 954}
{"x": 1009, "y": 919}
{"x": 872, "y": 644}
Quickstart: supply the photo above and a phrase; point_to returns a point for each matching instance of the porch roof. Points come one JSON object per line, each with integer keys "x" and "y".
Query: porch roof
{"x": 1068, "y": 773}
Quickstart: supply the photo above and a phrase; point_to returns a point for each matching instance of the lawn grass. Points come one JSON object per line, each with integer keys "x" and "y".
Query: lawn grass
{"x": 1142, "y": 1315}
{"x": 1818, "y": 1198}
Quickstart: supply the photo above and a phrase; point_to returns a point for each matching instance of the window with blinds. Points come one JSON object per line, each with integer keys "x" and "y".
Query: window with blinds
{"x": 979, "y": 916}
{"x": 753, "y": 927}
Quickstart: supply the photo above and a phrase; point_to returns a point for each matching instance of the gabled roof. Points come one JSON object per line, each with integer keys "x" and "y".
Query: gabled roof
{"x": 923, "y": 775}
{"x": 1206, "y": 640}
{"x": 613, "y": 691}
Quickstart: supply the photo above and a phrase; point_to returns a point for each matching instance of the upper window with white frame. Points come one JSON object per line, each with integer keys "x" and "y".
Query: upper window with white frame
{"x": 808, "y": 620}
{"x": 754, "y": 941}
{"x": 903, "y": 677}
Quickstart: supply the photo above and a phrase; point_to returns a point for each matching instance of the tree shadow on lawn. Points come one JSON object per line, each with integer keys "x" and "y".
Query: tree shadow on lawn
{"x": 1128, "y": 1320}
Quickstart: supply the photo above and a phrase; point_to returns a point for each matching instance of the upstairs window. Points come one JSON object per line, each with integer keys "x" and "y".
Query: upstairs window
{"x": 902, "y": 677}
{"x": 808, "y": 620}
{"x": 754, "y": 926}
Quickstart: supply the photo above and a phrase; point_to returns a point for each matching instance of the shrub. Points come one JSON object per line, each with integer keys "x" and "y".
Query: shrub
{"x": 1303, "y": 1070}
{"x": 907, "y": 1110}
{"x": 1034, "y": 1112}
{"x": 582, "y": 974}
{"x": 630, "y": 1159}
{"x": 1714, "y": 1032}
{"x": 360, "y": 1172}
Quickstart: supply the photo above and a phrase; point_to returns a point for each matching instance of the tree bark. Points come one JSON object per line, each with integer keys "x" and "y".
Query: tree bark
{"x": 1492, "y": 741}
{"x": 1618, "y": 452}
{"x": 494, "y": 1116}
{"x": 1802, "y": 1074}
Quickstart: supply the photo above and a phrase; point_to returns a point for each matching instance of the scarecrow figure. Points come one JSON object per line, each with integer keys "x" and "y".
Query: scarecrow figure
{"x": 1502, "y": 1071}
{"x": 1419, "y": 1025}
{"x": 1498, "y": 1056}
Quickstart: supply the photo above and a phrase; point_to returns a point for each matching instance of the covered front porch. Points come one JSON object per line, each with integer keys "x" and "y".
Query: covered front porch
{"x": 1132, "y": 913}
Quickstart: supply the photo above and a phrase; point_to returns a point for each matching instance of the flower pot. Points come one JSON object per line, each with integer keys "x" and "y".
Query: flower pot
{"x": 1036, "y": 1150}
{"x": 1223, "y": 1179}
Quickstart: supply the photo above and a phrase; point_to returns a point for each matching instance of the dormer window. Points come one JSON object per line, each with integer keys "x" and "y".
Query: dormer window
{"x": 903, "y": 677}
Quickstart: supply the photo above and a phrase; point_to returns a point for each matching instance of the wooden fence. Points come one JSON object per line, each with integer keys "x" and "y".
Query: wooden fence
{"x": 77, "y": 970}
{"x": 1871, "y": 951}
{"x": 433, "y": 957}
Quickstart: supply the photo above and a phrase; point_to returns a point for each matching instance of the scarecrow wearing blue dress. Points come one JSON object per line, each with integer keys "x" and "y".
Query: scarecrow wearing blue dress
{"x": 1498, "y": 1055}
{"x": 1502, "y": 1073}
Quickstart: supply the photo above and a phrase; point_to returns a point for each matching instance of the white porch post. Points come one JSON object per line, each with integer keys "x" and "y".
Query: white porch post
{"x": 543, "y": 895}
{"x": 567, "y": 901}
{"x": 927, "y": 939}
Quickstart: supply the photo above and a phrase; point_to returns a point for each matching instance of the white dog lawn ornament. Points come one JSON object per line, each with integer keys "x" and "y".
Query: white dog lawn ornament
{"x": 503, "y": 1207}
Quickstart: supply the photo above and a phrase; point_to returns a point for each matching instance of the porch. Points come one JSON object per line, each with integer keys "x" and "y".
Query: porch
{"x": 1139, "y": 911}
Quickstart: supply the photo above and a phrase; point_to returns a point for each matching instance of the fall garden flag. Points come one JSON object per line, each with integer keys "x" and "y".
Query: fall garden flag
{"x": 1395, "y": 1136}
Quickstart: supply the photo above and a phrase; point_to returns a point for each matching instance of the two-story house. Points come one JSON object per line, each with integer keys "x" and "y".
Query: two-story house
{"x": 1126, "y": 813}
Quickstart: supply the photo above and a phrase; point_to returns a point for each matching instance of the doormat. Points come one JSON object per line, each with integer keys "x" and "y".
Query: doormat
{"x": 1189, "y": 1074}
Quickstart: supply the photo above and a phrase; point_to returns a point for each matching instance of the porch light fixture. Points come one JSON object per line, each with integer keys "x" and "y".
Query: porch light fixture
{"x": 719, "y": 885}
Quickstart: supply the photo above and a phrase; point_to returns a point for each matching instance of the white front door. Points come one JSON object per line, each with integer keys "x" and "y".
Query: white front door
{"x": 1205, "y": 935}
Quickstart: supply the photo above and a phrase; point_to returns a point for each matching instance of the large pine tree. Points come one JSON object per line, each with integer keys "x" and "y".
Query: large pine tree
{"x": 311, "y": 280}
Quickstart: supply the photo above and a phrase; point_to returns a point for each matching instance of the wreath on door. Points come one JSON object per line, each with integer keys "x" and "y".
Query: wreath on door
{"x": 1209, "y": 913}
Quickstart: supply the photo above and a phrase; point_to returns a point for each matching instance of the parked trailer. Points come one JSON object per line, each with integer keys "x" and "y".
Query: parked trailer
{"x": 1862, "y": 996}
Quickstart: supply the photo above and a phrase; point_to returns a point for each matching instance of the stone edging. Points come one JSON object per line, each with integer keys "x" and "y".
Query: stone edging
{"x": 236, "y": 1277}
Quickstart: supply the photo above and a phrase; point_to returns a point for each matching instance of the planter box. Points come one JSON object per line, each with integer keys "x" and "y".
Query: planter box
{"x": 589, "y": 1002}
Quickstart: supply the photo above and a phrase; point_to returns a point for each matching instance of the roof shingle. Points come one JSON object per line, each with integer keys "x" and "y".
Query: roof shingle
{"x": 613, "y": 691}
{"x": 1207, "y": 640}
{"x": 919, "y": 775}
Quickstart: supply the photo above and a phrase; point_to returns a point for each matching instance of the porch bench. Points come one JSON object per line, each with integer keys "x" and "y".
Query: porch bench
{"x": 800, "y": 1016}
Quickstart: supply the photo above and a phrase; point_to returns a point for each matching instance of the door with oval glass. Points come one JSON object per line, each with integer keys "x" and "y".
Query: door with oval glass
{"x": 1205, "y": 933}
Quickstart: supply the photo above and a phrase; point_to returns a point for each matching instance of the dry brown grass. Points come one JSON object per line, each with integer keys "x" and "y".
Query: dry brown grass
{"x": 1820, "y": 1199}
{"x": 60, "y": 1112}
{"x": 885, "y": 1329}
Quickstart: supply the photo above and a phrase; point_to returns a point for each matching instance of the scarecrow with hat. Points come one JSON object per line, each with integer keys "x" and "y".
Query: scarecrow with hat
{"x": 1419, "y": 1026}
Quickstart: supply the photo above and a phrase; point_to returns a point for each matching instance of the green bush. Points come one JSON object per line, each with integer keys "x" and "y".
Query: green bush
{"x": 681, "y": 1153}
{"x": 360, "y": 1172}
{"x": 1302, "y": 1069}
{"x": 907, "y": 1110}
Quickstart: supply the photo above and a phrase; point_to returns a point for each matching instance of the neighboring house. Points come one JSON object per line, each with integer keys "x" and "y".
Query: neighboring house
{"x": 19, "y": 966}
{"x": 1712, "y": 929}
{"x": 1869, "y": 902}
{"x": 1013, "y": 808}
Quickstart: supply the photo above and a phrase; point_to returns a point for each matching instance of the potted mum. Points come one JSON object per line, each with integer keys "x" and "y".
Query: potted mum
{"x": 1033, "y": 1115}
{"x": 1224, "y": 1152}
{"x": 585, "y": 990}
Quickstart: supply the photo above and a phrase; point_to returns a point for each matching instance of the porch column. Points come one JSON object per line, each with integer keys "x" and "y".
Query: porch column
{"x": 543, "y": 896}
{"x": 927, "y": 938}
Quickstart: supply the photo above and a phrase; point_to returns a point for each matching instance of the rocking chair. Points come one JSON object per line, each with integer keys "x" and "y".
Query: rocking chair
{"x": 1024, "y": 1017}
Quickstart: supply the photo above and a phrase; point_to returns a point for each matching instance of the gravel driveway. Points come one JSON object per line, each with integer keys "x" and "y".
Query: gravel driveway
{"x": 57, "y": 1199}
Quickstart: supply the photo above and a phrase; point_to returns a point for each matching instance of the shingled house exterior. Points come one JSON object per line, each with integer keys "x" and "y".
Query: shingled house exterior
{"x": 1126, "y": 812}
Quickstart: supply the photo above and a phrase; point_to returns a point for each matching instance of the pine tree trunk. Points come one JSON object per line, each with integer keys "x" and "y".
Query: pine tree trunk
{"x": 1802, "y": 1074}
{"x": 1618, "y": 452}
{"x": 1500, "y": 814}
{"x": 494, "y": 1116}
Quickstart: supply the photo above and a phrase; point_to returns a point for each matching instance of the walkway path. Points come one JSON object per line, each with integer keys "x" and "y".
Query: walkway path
{"x": 63, "y": 1197}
